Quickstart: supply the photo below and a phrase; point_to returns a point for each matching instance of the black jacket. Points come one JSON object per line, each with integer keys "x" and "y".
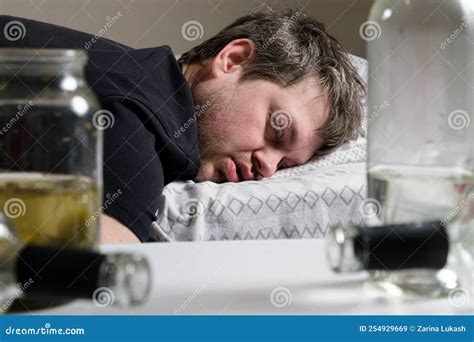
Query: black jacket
{"x": 150, "y": 100}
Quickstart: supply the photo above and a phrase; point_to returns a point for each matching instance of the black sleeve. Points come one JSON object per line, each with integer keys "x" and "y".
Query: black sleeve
{"x": 132, "y": 171}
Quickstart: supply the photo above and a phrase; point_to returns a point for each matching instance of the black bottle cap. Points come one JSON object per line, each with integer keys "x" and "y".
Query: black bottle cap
{"x": 394, "y": 247}
{"x": 59, "y": 272}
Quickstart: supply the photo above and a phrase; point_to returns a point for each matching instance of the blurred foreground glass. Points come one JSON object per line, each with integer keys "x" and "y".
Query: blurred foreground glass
{"x": 399, "y": 248}
{"x": 421, "y": 138}
{"x": 56, "y": 274}
{"x": 50, "y": 151}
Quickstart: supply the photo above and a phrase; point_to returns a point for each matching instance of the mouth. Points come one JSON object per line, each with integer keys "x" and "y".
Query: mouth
{"x": 237, "y": 171}
{"x": 245, "y": 173}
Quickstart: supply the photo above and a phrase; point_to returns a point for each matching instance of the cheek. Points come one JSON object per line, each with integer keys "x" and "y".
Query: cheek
{"x": 243, "y": 130}
{"x": 238, "y": 122}
{"x": 244, "y": 119}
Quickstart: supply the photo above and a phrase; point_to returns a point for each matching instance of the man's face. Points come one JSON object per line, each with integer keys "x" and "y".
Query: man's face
{"x": 249, "y": 129}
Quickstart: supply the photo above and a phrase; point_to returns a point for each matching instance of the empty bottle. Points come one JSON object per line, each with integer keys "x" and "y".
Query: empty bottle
{"x": 420, "y": 134}
{"x": 41, "y": 272}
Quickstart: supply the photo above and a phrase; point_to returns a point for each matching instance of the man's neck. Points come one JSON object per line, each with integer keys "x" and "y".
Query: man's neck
{"x": 190, "y": 72}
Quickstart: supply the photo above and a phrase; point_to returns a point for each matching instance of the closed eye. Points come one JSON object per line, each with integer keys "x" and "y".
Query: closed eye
{"x": 282, "y": 164}
{"x": 278, "y": 134}
{"x": 278, "y": 131}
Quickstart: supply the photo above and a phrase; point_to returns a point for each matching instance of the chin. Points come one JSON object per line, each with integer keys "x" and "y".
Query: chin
{"x": 210, "y": 173}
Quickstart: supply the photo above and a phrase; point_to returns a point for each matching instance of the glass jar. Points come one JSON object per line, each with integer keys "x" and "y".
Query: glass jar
{"x": 420, "y": 134}
{"x": 50, "y": 150}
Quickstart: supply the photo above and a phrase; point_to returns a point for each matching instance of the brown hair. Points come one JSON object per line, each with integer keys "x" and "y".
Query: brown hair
{"x": 289, "y": 48}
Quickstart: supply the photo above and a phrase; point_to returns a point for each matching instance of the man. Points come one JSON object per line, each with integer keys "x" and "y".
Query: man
{"x": 269, "y": 91}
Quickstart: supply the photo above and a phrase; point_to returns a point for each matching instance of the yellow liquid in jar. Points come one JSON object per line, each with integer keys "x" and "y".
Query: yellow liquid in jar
{"x": 47, "y": 209}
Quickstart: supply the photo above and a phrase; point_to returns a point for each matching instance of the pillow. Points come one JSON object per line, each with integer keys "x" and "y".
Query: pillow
{"x": 298, "y": 202}
{"x": 300, "y": 206}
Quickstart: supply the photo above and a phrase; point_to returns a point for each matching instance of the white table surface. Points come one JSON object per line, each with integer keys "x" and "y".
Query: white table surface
{"x": 238, "y": 277}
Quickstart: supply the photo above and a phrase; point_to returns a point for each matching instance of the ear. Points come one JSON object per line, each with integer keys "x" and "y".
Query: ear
{"x": 232, "y": 57}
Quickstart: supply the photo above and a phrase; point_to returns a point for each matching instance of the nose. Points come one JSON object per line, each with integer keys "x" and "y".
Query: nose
{"x": 266, "y": 160}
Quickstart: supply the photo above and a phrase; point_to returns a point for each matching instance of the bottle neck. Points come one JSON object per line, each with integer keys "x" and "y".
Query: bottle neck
{"x": 124, "y": 278}
{"x": 341, "y": 249}
{"x": 84, "y": 274}
{"x": 391, "y": 247}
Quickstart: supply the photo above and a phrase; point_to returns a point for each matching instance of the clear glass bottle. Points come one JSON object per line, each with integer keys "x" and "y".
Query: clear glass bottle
{"x": 50, "y": 150}
{"x": 420, "y": 135}
{"x": 422, "y": 247}
{"x": 49, "y": 273}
